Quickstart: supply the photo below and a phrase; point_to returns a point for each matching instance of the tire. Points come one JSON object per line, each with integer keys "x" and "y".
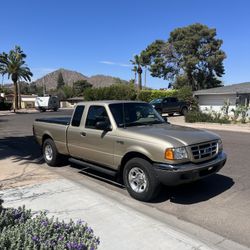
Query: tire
{"x": 55, "y": 109}
{"x": 138, "y": 169}
{"x": 184, "y": 111}
{"x": 50, "y": 153}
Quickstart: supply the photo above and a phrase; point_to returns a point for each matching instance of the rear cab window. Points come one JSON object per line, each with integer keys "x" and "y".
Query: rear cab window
{"x": 96, "y": 114}
{"x": 77, "y": 117}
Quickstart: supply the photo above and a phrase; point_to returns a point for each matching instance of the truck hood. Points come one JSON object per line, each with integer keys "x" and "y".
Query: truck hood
{"x": 173, "y": 134}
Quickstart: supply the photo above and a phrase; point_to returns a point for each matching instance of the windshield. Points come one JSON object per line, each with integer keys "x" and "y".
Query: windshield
{"x": 155, "y": 101}
{"x": 135, "y": 114}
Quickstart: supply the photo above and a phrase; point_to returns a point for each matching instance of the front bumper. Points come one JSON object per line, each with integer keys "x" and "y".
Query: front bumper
{"x": 173, "y": 175}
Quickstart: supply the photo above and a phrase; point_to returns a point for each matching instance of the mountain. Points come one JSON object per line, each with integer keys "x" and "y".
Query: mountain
{"x": 69, "y": 77}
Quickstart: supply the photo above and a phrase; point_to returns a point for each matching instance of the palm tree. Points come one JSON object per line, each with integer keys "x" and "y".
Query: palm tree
{"x": 135, "y": 70}
{"x": 138, "y": 64}
{"x": 13, "y": 64}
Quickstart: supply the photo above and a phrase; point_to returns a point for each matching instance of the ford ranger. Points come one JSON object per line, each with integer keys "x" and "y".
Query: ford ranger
{"x": 130, "y": 139}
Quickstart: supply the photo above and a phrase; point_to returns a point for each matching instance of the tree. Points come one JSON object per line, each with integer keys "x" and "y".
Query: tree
{"x": 79, "y": 87}
{"x": 191, "y": 52}
{"x": 135, "y": 72}
{"x": 60, "y": 81}
{"x": 138, "y": 67}
{"x": 13, "y": 64}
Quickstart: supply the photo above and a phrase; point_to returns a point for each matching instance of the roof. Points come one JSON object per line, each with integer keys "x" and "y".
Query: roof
{"x": 241, "y": 88}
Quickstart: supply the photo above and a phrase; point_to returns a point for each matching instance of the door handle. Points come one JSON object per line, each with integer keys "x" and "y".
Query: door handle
{"x": 83, "y": 134}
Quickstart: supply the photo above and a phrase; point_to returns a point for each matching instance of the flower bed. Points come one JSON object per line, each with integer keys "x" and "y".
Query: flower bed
{"x": 19, "y": 229}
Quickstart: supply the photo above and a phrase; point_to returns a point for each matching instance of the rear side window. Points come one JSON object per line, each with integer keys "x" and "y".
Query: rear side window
{"x": 77, "y": 116}
{"x": 96, "y": 114}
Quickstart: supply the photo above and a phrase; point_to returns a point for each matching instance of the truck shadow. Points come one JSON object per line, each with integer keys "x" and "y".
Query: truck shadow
{"x": 23, "y": 149}
{"x": 196, "y": 192}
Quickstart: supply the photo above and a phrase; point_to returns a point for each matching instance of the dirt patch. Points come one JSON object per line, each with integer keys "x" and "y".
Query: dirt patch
{"x": 18, "y": 174}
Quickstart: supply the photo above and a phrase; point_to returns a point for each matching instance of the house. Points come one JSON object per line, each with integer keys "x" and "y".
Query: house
{"x": 27, "y": 101}
{"x": 215, "y": 98}
{"x": 71, "y": 102}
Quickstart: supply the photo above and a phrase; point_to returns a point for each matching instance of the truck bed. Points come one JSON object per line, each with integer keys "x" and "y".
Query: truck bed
{"x": 65, "y": 120}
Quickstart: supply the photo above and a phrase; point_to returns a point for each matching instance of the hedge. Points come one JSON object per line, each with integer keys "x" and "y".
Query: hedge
{"x": 149, "y": 95}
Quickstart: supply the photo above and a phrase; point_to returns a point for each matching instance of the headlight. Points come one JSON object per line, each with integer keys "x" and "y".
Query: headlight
{"x": 176, "y": 153}
{"x": 220, "y": 145}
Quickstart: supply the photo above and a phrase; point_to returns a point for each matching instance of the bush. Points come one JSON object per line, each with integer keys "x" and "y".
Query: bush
{"x": 198, "y": 116}
{"x": 19, "y": 230}
{"x": 114, "y": 92}
{"x": 5, "y": 106}
{"x": 149, "y": 95}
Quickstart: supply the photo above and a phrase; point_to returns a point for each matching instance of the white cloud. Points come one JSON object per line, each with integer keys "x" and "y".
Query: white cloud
{"x": 115, "y": 63}
{"x": 42, "y": 70}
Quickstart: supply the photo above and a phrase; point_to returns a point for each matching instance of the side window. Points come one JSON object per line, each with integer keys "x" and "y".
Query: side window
{"x": 77, "y": 116}
{"x": 96, "y": 114}
{"x": 165, "y": 100}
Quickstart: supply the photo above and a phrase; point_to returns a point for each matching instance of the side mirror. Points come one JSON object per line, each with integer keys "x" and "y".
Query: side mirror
{"x": 103, "y": 125}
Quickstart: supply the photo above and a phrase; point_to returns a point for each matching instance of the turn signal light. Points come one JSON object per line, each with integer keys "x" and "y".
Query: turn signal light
{"x": 169, "y": 154}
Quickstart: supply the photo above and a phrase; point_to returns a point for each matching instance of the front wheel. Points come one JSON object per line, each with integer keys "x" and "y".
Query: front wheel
{"x": 140, "y": 180}
{"x": 50, "y": 153}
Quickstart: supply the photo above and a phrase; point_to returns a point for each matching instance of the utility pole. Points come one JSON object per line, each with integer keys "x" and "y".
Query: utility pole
{"x": 43, "y": 88}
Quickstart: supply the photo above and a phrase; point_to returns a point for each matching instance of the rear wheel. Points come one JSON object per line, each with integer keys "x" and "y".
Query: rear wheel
{"x": 50, "y": 153}
{"x": 140, "y": 180}
{"x": 184, "y": 111}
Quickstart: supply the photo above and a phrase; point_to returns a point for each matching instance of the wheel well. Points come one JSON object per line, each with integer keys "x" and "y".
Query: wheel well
{"x": 128, "y": 157}
{"x": 46, "y": 137}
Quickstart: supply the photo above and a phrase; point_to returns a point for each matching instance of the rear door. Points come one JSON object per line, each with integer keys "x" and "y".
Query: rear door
{"x": 170, "y": 105}
{"x": 90, "y": 143}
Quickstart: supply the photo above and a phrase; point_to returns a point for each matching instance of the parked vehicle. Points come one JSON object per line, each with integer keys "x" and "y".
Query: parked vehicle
{"x": 170, "y": 105}
{"x": 130, "y": 140}
{"x": 47, "y": 103}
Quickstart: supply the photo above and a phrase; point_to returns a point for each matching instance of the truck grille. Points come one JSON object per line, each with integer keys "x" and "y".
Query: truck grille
{"x": 204, "y": 151}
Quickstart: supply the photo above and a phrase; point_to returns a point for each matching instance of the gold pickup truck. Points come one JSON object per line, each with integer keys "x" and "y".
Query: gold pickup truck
{"x": 131, "y": 140}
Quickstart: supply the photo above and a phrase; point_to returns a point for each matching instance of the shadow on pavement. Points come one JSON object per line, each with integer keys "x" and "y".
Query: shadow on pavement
{"x": 112, "y": 180}
{"x": 196, "y": 192}
{"x": 21, "y": 149}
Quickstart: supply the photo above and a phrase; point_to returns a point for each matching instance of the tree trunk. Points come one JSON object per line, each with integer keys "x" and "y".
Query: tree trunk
{"x": 145, "y": 77}
{"x": 135, "y": 78}
{"x": 19, "y": 96}
{"x": 139, "y": 81}
{"x": 15, "y": 101}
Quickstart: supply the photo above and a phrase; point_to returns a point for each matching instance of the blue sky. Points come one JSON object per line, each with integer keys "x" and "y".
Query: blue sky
{"x": 100, "y": 37}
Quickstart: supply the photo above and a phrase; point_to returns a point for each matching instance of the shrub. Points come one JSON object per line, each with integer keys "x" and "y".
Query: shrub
{"x": 240, "y": 111}
{"x": 113, "y": 92}
{"x": 18, "y": 230}
{"x": 198, "y": 116}
{"x": 149, "y": 95}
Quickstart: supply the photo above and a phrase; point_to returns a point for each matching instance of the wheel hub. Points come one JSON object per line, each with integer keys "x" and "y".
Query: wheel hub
{"x": 48, "y": 152}
{"x": 137, "y": 180}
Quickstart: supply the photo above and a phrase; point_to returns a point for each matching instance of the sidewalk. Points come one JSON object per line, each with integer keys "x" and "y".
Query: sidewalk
{"x": 179, "y": 120}
{"x": 120, "y": 222}
{"x": 20, "y": 111}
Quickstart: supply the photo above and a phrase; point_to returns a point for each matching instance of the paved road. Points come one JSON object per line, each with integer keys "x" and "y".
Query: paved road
{"x": 220, "y": 203}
